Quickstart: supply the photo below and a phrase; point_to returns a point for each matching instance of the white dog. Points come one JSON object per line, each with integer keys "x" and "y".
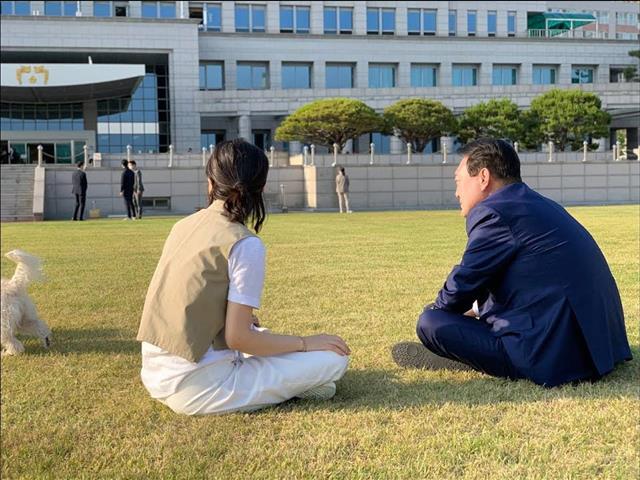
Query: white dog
{"x": 19, "y": 314}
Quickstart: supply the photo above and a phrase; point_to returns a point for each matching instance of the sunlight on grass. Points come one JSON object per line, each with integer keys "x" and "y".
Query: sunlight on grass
{"x": 79, "y": 410}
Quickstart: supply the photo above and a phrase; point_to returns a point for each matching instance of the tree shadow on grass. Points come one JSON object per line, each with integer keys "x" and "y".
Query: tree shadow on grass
{"x": 82, "y": 341}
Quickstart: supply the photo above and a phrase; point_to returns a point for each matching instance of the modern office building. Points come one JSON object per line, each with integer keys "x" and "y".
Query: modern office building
{"x": 151, "y": 74}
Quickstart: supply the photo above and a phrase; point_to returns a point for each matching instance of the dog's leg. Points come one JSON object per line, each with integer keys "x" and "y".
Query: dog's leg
{"x": 10, "y": 319}
{"x": 33, "y": 325}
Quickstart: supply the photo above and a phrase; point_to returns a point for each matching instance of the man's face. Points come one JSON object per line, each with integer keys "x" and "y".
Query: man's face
{"x": 469, "y": 190}
{"x": 132, "y": 166}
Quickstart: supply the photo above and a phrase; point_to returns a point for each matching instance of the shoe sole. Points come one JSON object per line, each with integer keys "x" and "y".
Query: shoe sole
{"x": 416, "y": 355}
{"x": 321, "y": 392}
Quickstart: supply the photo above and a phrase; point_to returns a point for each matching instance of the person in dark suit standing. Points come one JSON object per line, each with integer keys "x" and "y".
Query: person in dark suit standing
{"x": 138, "y": 188}
{"x": 532, "y": 297}
{"x": 127, "y": 181}
{"x": 79, "y": 189}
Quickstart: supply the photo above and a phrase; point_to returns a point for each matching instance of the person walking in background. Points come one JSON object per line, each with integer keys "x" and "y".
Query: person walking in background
{"x": 138, "y": 188}
{"x": 342, "y": 189}
{"x": 79, "y": 189}
{"x": 127, "y": 181}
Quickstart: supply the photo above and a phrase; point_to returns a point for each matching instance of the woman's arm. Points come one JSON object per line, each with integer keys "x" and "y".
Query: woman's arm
{"x": 240, "y": 336}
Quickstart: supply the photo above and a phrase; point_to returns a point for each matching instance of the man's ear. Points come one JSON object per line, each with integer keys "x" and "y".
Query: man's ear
{"x": 485, "y": 178}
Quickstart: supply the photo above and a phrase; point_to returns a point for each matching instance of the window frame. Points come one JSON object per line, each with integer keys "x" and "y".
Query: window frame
{"x": 252, "y": 65}
{"x": 464, "y": 67}
{"x": 512, "y": 14}
{"x": 422, "y": 12}
{"x": 454, "y": 32}
{"x": 307, "y": 65}
{"x": 210, "y": 63}
{"x": 422, "y": 67}
{"x": 503, "y": 67}
{"x": 352, "y": 68}
{"x": 339, "y": 30}
{"x": 577, "y": 68}
{"x": 393, "y": 66}
{"x": 490, "y": 14}
{"x": 470, "y": 14}
{"x": 252, "y": 7}
{"x": 380, "y": 11}
{"x": 294, "y": 18}
{"x": 541, "y": 68}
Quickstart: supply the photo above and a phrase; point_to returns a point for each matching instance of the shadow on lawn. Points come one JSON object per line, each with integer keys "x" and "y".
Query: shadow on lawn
{"x": 93, "y": 340}
{"x": 387, "y": 389}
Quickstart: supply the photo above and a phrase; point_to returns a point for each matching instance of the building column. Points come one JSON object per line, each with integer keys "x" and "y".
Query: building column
{"x": 244, "y": 127}
{"x": 445, "y": 71}
{"x": 362, "y": 74}
{"x": 272, "y": 17}
{"x": 525, "y": 76}
{"x": 316, "y": 13}
{"x": 318, "y": 74}
{"x": 485, "y": 75}
{"x": 401, "y": 20}
{"x": 602, "y": 73}
{"x": 228, "y": 17}
{"x": 404, "y": 74}
{"x": 564, "y": 74}
{"x": 442, "y": 22}
{"x": 396, "y": 145}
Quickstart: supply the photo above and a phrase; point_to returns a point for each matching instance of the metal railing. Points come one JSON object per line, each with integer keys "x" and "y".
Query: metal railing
{"x": 553, "y": 33}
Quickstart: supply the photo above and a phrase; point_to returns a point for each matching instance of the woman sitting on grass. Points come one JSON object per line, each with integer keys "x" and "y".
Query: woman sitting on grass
{"x": 202, "y": 349}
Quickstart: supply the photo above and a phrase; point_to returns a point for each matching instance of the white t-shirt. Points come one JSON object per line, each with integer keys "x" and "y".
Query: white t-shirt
{"x": 161, "y": 371}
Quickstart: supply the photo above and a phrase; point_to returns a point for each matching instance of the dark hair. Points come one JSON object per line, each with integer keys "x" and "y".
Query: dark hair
{"x": 124, "y": 162}
{"x": 238, "y": 172}
{"x": 132, "y": 162}
{"x": 497, "y": 156}
{"x": 80, "y": 164}
{"x": 342, "y": 170}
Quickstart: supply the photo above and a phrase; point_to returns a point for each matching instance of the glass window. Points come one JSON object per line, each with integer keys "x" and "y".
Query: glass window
{"x": 214, "y": 17}
{"x": 544, "y": 75}
{"x": 6, "y": 8}
{"x": 286, "y": 19}
{"x": 242, "y": 18}
{"x": 429, "y": 22}
{"x": 382, "y": 76}
{"x": 413, "y": 22}
{"x": 465, "y": 75}
{"x": 373, "y": 23}
{"x": 101, "y": 9}
{"x": 382, "y": 142}
{"x": 22, "y": 8}
{"x": 302, "y": 19}
{"x": 423, "y": 75}
{"x": 492, "y": 22}
{"x": 582, "y": 75}
{"x": 211, "y": 76}
{"x": 70, "y": 9}
{"x": 53, "y": 8}
{"x": 388, "y": 21}
{"x": 346, "y": 19}
{"x": 330, "y": 19}
{"x": 149, "y": 9}
{"x": 167, "y": 10}
{"x": 505, "y": 75}
{"x": 339, "y": 75}
{"x": 257, "y": 18}
{"x": 121, "y": 9}
{"x": 453, "y": 23}
{"x": 252, "y": 76}
{"x": 472, "y": 17}
{"x": 296, "y": 75}
{"x": 511, "y": 24}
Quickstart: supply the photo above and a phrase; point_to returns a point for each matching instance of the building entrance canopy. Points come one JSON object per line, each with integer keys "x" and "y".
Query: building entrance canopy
{"x": 67, "y": 82}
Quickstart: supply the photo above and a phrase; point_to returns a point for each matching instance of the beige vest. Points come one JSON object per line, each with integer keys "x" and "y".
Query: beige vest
{"x": 184, "y": 312}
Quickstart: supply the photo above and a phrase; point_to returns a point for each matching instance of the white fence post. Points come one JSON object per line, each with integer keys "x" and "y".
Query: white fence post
{"x": 128, "y": 153}
{"x": 85, "y": 151}
{"x": 204, "y": 156}
{"x": 550, "y": 151}
{"x": 39, "y": 155}
{"x": 335, "y": 154}
{"x": 584, "y": 150}
{"x": 211, "y": 149}
{"x": 618, "y": 156}
{"x": 615, "y": 156}
{"x": 305, "y": 155}
{"x": 170, "y": 156}
{"x": 313, "y": 155}
{"x": 272, "y": 154}
{"x": 372, "y": 151}
{"x": 409, "y": 146}
{"x": 444, "y": 153}
{"x": 516, "y": 145}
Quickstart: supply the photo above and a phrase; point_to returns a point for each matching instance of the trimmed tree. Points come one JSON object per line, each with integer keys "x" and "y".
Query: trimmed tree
{"x": 495, "y": 119}
{"x": 568, "y": 117}
{"x": 418, "y": 121}
{"x": 329, "y": 121}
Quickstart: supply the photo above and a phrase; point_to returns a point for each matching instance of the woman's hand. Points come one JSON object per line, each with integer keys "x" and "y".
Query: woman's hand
{"x": 327, "y": 342}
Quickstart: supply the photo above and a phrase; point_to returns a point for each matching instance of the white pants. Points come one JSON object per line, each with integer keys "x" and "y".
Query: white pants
{"x": 246, "y": 382}
{"x": 343, "y": 200}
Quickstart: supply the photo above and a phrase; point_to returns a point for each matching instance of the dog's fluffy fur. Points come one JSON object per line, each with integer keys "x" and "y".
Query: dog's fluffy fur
{"x": 19, "y": 314}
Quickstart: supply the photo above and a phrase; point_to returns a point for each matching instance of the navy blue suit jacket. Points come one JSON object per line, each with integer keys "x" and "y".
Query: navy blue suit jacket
{"x": 544, "y": 286}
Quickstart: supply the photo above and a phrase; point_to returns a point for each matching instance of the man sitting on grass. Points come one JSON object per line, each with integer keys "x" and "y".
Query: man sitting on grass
{"x": 546, "y": 305}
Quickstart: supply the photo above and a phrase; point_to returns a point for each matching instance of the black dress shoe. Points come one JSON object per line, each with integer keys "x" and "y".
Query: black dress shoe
{"x": 416, "y": 355}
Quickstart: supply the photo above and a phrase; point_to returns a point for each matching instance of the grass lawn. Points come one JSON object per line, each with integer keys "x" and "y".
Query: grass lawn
{"x": 80, "y": 411}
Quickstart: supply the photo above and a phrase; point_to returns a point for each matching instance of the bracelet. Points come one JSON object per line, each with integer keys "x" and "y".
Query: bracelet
{"x": 304, "y": 344}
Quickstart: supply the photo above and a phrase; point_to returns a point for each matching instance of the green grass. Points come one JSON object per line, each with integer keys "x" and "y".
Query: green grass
{"x": 80, "y": 411}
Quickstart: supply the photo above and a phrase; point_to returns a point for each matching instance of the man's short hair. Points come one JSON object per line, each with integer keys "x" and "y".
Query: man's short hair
{"x": 124, "y": 162}
{"x": 497, "y": 156}
{"x": 80, "y": 164}
{"x": 132, "y": 162}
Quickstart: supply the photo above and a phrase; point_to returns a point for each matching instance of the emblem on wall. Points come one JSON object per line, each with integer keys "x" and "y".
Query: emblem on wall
{"x": 35, "y": 73}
